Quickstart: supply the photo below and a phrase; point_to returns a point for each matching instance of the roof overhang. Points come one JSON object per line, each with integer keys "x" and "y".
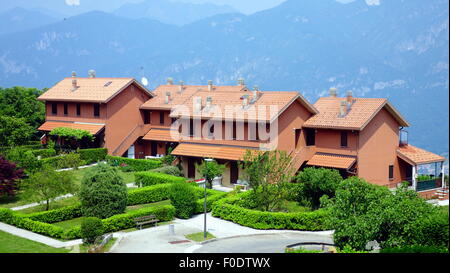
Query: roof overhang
{"x": 416, "y": 156}
{"x": 332, "y": 161}
{"x": 210, "y": 151}
{"x": 93, "y": 128}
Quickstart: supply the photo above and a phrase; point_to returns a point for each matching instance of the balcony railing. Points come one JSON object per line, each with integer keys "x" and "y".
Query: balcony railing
{"x": 429, "y": 184}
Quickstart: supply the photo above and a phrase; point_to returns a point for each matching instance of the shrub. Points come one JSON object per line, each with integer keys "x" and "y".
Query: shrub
{"x": 144, "y": 179}
{"x": 103, "y": 192}
{"x": 9, "y": 177}
{"x": 126, "y": 220}
{"x": 136, "y": 165}
{"x": 415, "y": 249}
{"x": 24, "y": 158}
{"x": 91, "y": 228}
{"x": 212, "y": 197}
{"x": 71, "y": 160}
{"x": 183, "y": 198}
{"x": 229, "y": 209}
{"x": 93, "y": 155}
{"x": 56, "y": 215}
{"x": 147, "y": 195}
{"x": 170, "y": 170}
{"x": 44, "y": 153}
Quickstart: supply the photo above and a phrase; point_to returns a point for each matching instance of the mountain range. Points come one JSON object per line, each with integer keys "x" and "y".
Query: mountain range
{"x": 395, "y": 49}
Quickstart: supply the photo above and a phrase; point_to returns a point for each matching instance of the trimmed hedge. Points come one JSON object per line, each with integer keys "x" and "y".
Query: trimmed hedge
{"x": 64, "y": 161}
{"x": 228, "y": 210}
{"x": 55, "y": 215}
{"x": 212, "y": 197}
{"x": 93, "y": 155}
{"x": 136, "y": 165}
{"x": 145, "y": 179}
{"x": 147, "y": 195}
{"x": 44, "y": 153}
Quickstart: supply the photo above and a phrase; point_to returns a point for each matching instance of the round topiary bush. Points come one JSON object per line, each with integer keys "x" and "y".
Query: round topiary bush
{"x": 184, "y": 198}
{"x": 91, "y": 228}
{"x": 103, "y": 192}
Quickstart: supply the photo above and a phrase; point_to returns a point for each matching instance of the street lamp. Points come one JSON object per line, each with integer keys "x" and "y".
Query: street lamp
{"x": 204, "y": 200}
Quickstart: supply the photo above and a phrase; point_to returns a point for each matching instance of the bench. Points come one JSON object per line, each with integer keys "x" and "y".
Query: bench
{"x": 150, "y": 219}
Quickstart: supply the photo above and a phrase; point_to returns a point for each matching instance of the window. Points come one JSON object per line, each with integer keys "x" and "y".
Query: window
{"x": 310, "y": 137}
{"x": 54, "y": 108}
{"x": 66, "y": 111}
{"x": 78, "y": 109}
{"x": 391, "y": 172}
{"x": 211, "y": 129}
{"x": 96, "y": 110}
{"x": 161, "y": 118}
{"x": 191, "y": 127}
{"x": 147, "y": 117}
{"x": 344, "y": 139}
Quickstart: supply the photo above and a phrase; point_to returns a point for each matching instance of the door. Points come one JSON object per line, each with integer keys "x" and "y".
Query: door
{"x": 191, "y": 168}
{"x": 234, "y": 172}
{"x": 131, "y": 152}
{"x": 154, "y": 148}
{"x": 297, "y": 137}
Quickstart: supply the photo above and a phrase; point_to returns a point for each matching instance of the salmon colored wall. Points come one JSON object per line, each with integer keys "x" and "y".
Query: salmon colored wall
{"x": 329, "y": 141}
{"x": 123, "y": 115}
{"x": 86, "y": 111}
{"x": 378, "y": 143}
{"x": 292, "y": 118}
{"x": 154, "y": 117}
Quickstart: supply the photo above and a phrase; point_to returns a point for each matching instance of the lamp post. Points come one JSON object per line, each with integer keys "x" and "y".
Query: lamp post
{"x": 204, "y": 200}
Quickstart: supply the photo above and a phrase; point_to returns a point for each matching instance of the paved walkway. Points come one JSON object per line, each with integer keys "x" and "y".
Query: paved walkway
{"x": 159, "y": 240}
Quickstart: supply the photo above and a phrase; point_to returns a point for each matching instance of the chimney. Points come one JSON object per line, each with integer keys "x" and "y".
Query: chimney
{"x": 197, "y": 104}
{"x": 210, "y": 85}
{"x": 349, "y": 97}
{"x": 180, "y": 90}
{"x": 255, "y": 94}
{"x": 244, "y": 101}
{"x": 333, "y": 92}
{"x": 343, "y": 109}
{"x": 208, "y": 102}
{"x": 167, "y": 99}
{"x": 91, "y": 73}
{"x": 74, "y": 81}
{"x": 169, "y": 81}
{"x": 241, "y": 82}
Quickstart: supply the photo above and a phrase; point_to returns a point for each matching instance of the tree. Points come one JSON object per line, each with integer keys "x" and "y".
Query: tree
{"x": 103, "y": 192}
{"x": 48, "y": 184}
{"x": 75, "y": 138}
{"x": 268, "y": 173}
{"x": 363, "y": 212}
{"x": 24, "y": 158}
{"x": 210, "y": 170}
{"x": 14, "y": 131}
{"x": 9, "y": 177}
{"x": 318, "y": 182}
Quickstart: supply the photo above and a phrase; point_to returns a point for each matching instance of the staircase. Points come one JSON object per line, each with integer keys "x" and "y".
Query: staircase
{"x": 442, "y": 194}
{"x": 301, "y": 155}
{"x": 130, "y": 139}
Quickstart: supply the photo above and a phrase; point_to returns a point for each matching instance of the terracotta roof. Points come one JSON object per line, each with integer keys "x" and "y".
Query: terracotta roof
{"x": 162, "y": 135}
{"x": 90, "y": 127}
{"x": 177, "y": 98}
{"x": 209, "y": 151}
{"x": 332, "y": 161}
{"x": 100, "y": 90}
{"x": 417, "y": 156}
{"x": 362, "y": 111}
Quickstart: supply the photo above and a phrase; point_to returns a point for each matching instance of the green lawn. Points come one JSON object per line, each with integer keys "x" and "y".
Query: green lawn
{"x": 128, "y": 177}
{"x": 69, "y": 201}
{"x": 13, "y": 244}
{"x": 199, "y": 237}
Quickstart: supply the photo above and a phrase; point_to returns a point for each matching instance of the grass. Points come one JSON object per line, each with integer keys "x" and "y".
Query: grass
{"x": 301, "y": 250}
{"x": 68, "y": 224}
{"x": 198, "y": 237}
{"x": 69, "y": 201}
{"x": 136, "y": 207}
{"x": 13, "y": 244}
{"x": 291, "y": 206}
{"x": 128, "y": 177}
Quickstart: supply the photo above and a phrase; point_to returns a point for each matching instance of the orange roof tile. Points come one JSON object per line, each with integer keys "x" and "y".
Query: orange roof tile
{"x": 209, "y": 151}
{"x": 98, "y": 90}
{"x": 162, "y": 135}
{"x": 361, "y": 113}
{"x": 417, "y": 156}
{"x": 332, "y": 161}
{"x": 92, "y": 128}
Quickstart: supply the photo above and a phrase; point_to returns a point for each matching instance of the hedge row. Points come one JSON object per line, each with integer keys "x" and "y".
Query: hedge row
{"x": 228, "y": 210}
{"x": 147, "y": 195}
{"x": 93, "y": 155}
{"x": 44, "y": 153}
{"x": 145, "y": 179}
{"x": 136, "y": 165}
{"x": 64, "y": 161}
{"x": 55, "y": 215}
{"x": 212, "y": 197}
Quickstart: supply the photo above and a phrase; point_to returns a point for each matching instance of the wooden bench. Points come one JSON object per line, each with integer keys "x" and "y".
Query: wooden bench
{"x": 150, "y": 219}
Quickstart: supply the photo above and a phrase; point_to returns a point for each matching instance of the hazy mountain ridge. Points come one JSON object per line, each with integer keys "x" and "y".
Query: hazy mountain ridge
{"x": 398, "y": 50}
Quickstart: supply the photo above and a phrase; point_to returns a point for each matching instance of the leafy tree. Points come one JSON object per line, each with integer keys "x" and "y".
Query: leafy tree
{"x": 183, "y": 198}
{"x": 74, "y": 138}
{"x": 24, "y": 158}
{"x": 362, "y": 212}
{"x": 48, "y": 184}
{"x": 21, "y": 102}
{"x": 210, "y": 170}
{"x": 103, "y": 192}
{"x": 268, "y": 174}
{"x": 318, "y": 182}
{"x": 14, "y": 131}
{"x": 9, "y": 177}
